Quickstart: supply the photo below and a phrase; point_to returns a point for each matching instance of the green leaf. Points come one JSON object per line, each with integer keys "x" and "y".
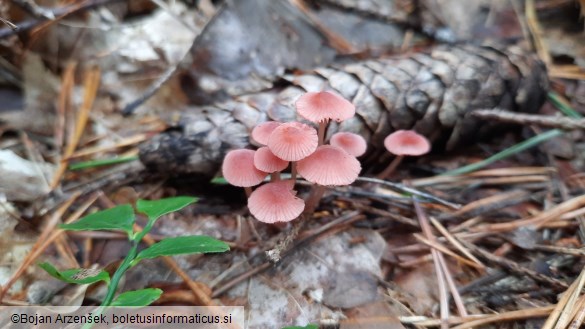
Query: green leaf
{"x": 309, "y": 326}
{"x": 156, "y": 208}
{"x": 219, "y": 181}
{"x": 560, "y": 104}
{"x": 117, "y": 218}
{"x": 77, "y": 275}
{"x": 142, "y": 297}
{"x": 193, "y": 244}
{"x": 101, "y": 162}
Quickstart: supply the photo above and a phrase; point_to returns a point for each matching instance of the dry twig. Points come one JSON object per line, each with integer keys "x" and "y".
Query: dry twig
{"x": 530, "y": 119}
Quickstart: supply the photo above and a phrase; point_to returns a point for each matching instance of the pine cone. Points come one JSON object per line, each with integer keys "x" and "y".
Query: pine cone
{"x": 432, "y": 92}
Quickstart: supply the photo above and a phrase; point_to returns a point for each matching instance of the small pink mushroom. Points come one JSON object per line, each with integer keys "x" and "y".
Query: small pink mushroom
{"x": 320, "y": 107}
{"x": 293, "y": 141}
{"x": 275, "y": 202}
{"x": 351, "y": 143}
{"x": 239, "y": 170}
{"x": 329, "y": 165}
{"x": 324, "y": 106}
{"x": 261, "y": 133}
{"x": 264, "y": 160}
{"x": 402, "y": 143}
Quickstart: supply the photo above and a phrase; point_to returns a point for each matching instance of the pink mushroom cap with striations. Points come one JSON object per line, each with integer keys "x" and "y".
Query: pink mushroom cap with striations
{"x": 266, "y": 161}
{"x": 275, "y": 202}
{"x": 261, "y": 133}
{"x": 293, "y": 141}
{"x": 351, "y": 143}
{"x": 407, "y": 142}
{"x": 323, "y": 106}
{"x": 239, "y": 170}
{"x": 329, "y": 165}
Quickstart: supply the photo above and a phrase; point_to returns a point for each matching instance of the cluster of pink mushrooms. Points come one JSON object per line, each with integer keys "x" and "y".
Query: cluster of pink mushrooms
{"x": 303, "y": 148}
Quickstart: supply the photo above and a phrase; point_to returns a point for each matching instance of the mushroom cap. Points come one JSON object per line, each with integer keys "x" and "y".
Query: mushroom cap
{"x": 329, "y": 165}
{"x": 351, "y": 143}
{"x": 239, "y": 170}
{"x": 261, "y": 133}
{"x": 275, "y": 202}
{"x": 323, "y": 106}
{"x": 293, "y": 141}
{"x": 407, "y": 142}
{"x": 266, "y": 161}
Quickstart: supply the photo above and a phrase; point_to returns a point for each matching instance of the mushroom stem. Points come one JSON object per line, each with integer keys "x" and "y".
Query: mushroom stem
{"x": 274, "y": 254}
{"x": 310, "y": 206}
{"x": 391, "y": 167}
{"x": 321, "y": 132}
{"x": 293, "y": 171}
{"x": 275, "y": 176}
{"x": 313, "y": 200}
{"x": 248, "y": 191}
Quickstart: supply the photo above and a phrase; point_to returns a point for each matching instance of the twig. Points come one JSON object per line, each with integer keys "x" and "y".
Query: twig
{"x": 152, "y": 89}
{"x": 45, "y": 238}
{"x": 443, "y": 296}
{"x": 542, "y": 218}
{"x": 455, "y": 242}
{"x": 64, "y": 103}
{"x": 484, "y": 175}
{"x": 58, "y": 13}
{"x": 91, "y": 85}
{"x": 346, "y": 219}
{"x": 513, "y": 267}
{"x": 509, "y": 316}
{"x": 9, "y": 23}
{"x": 443, "y": 273}
{"x": 380, "y": 212}
{"x": 35, "y": 10}
{"x": 489, "y": 204}
{"x": 536, "y": 32}
{"x": 531, "y": 119}
{"x": 410, "y": 190}
{"x": 445, "y": 250}
{"x": 561, "y": 315}
{"x": 580, "y": 316}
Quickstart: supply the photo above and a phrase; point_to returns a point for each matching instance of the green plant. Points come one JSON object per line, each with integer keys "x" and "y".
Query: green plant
{"x": 309, "y": 326}
{"x": 122, "y": 218}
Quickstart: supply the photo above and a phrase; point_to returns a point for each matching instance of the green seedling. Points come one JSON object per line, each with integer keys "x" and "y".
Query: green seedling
{"x": 122, "y": 218}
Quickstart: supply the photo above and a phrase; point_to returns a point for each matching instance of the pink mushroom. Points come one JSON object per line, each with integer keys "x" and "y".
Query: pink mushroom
{"x": 275, "y": 202}
{"x": 351, "y": 143}
{"x": 264, "y": 160}
{"x": 293, "y": 141}
{"x": 324, "y": 106}
{"x": 402, "y": 143}
{"x": 239, "y": 170}
{"x": 329, "y": 165}
{"x": 320, "y": 107}
{"x": 261, "y": 133}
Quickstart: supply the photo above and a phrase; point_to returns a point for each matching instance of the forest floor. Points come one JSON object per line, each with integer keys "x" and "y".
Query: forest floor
{"x": 500, "y": 244}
